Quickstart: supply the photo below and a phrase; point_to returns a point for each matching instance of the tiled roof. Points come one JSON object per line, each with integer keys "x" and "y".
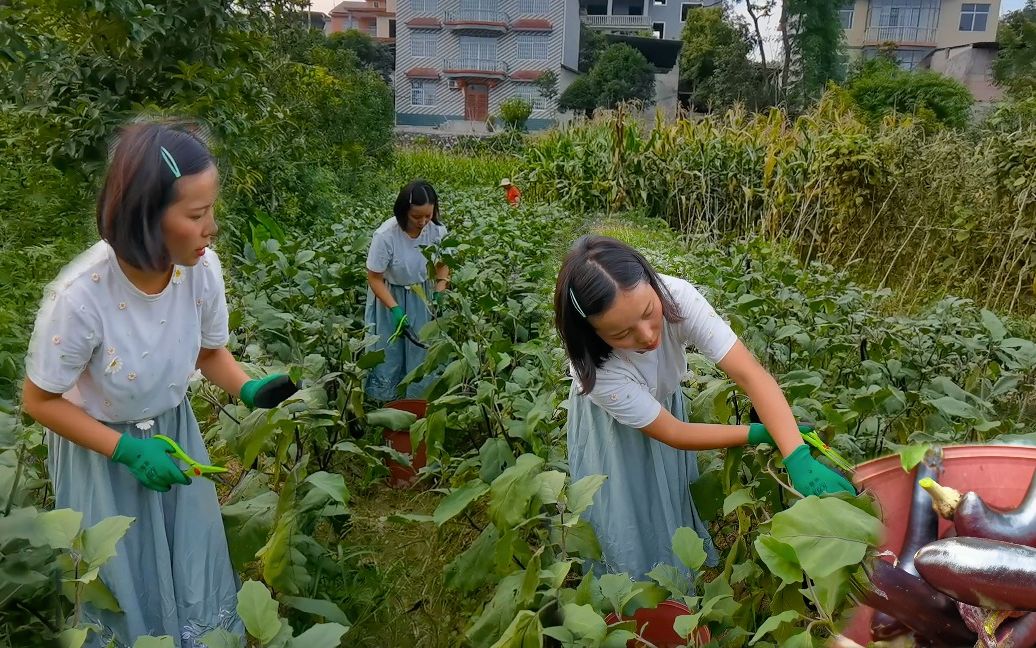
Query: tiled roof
{"x": 532, "y": 24}
{"x": 422, "y": 73}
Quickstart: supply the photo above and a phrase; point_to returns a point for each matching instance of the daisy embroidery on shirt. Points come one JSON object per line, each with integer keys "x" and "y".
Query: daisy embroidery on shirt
{"x": 146, "y": 425}
{"x": 114, "y": 367}
{"x": 178, "y": 275}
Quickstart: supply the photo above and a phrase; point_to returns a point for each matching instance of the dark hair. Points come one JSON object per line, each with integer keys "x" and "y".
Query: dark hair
{"x": 139, "y": 186}
{"x": 418, "y": 192}
{"x": 593, "y": 273}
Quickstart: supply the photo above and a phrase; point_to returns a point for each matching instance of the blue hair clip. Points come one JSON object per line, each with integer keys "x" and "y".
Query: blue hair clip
{"x": 169, "y": 161}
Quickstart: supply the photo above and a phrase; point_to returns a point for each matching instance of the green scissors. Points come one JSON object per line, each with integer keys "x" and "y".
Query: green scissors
{"x": 195, "y": 469}
{"x": 813, "y": 439}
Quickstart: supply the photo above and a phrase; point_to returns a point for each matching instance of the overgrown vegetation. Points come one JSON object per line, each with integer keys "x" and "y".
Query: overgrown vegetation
{"x": 879, "y": 88}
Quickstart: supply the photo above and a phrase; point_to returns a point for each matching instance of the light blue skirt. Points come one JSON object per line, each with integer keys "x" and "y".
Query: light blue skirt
{"x": 401, "y": 355}
{"x": 171, "y": 573}
{"x": 646, "y": 497}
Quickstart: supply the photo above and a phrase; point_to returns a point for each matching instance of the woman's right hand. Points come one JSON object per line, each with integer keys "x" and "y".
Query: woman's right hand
{"x": 149, "y": 461}
{"x": 399, "y": 318}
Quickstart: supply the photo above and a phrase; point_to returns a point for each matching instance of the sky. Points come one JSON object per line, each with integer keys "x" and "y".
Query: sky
{"x": 768, "y": 26}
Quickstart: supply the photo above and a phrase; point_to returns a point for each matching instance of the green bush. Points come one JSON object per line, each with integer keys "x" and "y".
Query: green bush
{"x": 879, "y": 87}
{"x": 580, "y": 96}
{"x": 515, "y": 112}
{"x": 622, "y": 74}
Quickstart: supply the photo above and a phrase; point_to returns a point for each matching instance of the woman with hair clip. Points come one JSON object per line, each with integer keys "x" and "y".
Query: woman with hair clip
{"x": 396, "y": 263}
{"x": 626, "y": 330}
{"x": 118, "y": 337}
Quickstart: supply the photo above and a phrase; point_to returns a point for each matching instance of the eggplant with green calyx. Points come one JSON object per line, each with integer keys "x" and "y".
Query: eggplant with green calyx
{"x": 973, "y": 518}
{"x": 928, "y": 613}
{"x": 922, "y": 528}
{"x": 977, "y": 571}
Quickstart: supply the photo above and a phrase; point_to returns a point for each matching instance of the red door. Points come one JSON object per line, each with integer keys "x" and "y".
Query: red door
{"x": 476, "y": 102}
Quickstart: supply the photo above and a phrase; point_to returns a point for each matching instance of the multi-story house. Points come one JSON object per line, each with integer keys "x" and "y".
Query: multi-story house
{"x": 458, "y": 60}
{"x": 377, "y": 18}
{"x": 663, "y": 18}
{"x": 953, "y": 37}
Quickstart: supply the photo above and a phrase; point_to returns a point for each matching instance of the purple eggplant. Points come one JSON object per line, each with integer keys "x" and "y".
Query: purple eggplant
{"x": 1017, "y": 633}
{"x": 922, "y": 528}
{"x": 925, "y": 611}
{"x": 973, "y": 518}
{"x": 985, "y": 622}
{"x": 977, "y": 571}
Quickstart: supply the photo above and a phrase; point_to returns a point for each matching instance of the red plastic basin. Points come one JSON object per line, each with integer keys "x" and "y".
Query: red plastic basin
{"x": 399, "y": 475}
{"x": 656, "y": 625}
{"x": 1000, "y": 474}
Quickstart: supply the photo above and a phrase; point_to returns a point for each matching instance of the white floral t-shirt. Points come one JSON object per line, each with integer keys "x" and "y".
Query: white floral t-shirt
{"x": 120, "y": 354}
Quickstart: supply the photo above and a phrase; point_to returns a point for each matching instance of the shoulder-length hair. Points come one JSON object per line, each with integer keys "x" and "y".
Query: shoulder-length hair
{"x": 140, "y": 184}
{"x": 417, "y": 193}
{"x": 592, "y": 274}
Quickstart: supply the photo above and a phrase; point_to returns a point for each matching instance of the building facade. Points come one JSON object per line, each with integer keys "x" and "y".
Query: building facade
{"x": 376, "y": 18}
{"x": 663, "y": 18}
{"x": 917, "y": 28}
{"x": 459, "y": 60}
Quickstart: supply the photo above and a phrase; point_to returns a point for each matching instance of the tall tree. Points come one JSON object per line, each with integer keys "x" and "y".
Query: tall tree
{"x": 813, "y": 48}
{"x": 1015, "y": 66}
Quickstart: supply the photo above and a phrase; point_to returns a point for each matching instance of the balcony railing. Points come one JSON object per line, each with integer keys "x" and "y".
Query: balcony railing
{"x": 475, "y": 65}
{"x": 899, "y": 35}
{"x": 617, "y": 22}
{"x": 476, "y": 16}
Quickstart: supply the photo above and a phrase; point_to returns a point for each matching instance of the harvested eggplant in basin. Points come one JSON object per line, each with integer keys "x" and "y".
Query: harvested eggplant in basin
{"x": 986, "y": 573}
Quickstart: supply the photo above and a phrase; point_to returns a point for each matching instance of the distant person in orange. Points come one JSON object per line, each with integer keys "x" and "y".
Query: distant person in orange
{"x": 514, "y": 197}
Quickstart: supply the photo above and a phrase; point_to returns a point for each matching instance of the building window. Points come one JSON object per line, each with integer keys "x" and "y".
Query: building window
{"x": 424, "y": 44}
{"x": 531, "y": 94}
{"x": 534, "y": 8}
{"x": 658, "y": 29}
{"x": 422, "y": 93}
{"x": 424, "y": 7}
{"x": 974, "y": 16}
{"x": 392, "y": 29}
{"x": 533, "y": 47}
{"x": 846, "y": 16}
{"x": 686, "y": 7}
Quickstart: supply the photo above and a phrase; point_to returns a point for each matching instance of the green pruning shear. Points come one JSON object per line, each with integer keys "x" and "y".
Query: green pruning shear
{"x": 195, "y": 469}
{"x": 813, "y": 439}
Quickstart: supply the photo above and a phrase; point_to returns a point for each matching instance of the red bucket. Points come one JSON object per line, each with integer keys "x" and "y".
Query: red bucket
{"x": 656, "y": 626}
{"x": 399, "y": 475}
{"x": 1000, "y": 474}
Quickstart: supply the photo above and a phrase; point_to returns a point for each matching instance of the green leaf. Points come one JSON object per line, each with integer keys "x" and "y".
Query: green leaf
{"x": 458, "y": 500}
{"x": 618, "y": 638}
{"x": 370, "y": 360}
{"x": 496, "y": 456}
{"x": 772, "y": 623}
{"x": 165, "y": 641}
{"x": 616, "y": 588}
{"x": 284, "y": 566}
{"x": 512, "y": 492}
{"x": 391, "y": 419}
{"x": 258, "y": 611}
{"x": 584, "y": 623}
{"x": 333, "y": 485}
{"x": 97, "y": 594}
{"x": 317, "y": 607}
{"x": 686, "y": 624}
{"x": 248, "y": 524}
{"x": 551, "y": 483}
{"x": 738, "y": 498}
{"x": 910, "y": 456}
{"x": 689, "y": 548}
{"x": 220, "y": 638}
{"x": 525, "y": 631}
{"x": 476, "y": 565}
{"x": 826, "y": 533}
{"x": 72, "y": 637}
{"x": 954, "y": 408}
{"x": 59, "y": 527}
{"x": 800, "y": 640}
{"x": 671, "y": 578}
{"x": 707, "y": 493}
{"x": 581, "y": 493}
{"x": 322, "y": 635}
{"x": 498, "y": 614}
{"x": 98, "y": 542}
{"x": 992, "y": 323}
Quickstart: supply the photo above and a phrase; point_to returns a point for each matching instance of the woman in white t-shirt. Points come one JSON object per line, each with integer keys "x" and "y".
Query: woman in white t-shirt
{"x": 396, "y": 264}
{"x": 118, "y": 336}
{"x": 626, "y": 329}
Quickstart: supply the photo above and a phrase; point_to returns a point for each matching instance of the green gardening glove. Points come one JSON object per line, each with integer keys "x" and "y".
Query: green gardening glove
{"x": 437, "y": 298}
{"x": 399, "y": 321}
{"x": 757, "y": 433}
{"x": 267, "y": 392}
{"x": 810, "y": 477}
{"x": 149, "y": 461}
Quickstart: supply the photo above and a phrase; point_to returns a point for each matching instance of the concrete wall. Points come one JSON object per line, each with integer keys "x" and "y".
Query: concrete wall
{"x": 949, "y": 34}
{"x": 971, "y": 66}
